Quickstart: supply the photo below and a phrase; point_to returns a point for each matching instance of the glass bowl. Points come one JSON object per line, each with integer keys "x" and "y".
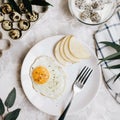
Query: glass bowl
{"x": 92, "y": 12}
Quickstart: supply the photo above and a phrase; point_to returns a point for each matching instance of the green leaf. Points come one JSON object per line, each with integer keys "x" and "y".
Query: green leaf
{"x": 0, "y": 9}
{"x": 14, "y": 6}
{"x": 11, "y": 98}
{"x": 40, "y": 3}
{"x": 2, "y": 108}
{"x": 117, "y": 77}
{"x": 114, "y": 56}
{"x": 12, "y": 115}
{"x": 114, "y": 67}
{"x": 27, "y": 5}
{"x": 113, "y": 45}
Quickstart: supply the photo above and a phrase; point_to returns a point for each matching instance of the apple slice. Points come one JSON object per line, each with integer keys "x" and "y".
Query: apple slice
{"x": 62, "y": 50}
{"x": 77, "y": 49}
{"x": 67, "y": 51}
{"x": 57, "y": 54}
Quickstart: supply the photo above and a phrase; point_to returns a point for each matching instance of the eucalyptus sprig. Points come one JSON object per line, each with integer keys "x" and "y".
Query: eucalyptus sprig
{"x": 28, "y": 4}
{"x": 9, "y": 102}
{"x": 114, "y": 56}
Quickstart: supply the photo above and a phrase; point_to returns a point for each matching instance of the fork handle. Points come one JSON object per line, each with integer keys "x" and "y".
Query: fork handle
{"x": 65, "y": 111}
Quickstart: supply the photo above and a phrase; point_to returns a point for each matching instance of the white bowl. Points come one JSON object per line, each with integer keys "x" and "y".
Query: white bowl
{"x": 105, "y": 14}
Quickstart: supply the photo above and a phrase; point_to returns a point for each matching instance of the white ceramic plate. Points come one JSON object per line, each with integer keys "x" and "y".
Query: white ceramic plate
{"x": 55, "y": 106}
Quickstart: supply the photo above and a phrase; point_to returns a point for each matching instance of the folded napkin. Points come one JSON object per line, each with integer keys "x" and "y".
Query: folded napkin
{"x": 110, "y": 31}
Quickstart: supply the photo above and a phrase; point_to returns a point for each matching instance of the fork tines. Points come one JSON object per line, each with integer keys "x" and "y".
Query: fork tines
{"x": 84, "y": 75}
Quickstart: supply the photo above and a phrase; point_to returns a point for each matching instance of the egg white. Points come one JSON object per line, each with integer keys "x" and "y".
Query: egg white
{"x": 55, "y": 85}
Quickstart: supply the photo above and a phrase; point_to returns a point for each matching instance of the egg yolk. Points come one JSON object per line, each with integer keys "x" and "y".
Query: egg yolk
{"x": 40, "y": 75}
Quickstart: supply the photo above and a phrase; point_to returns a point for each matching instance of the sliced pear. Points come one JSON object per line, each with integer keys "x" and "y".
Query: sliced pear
{"x": 57, "y": 54}
{"x": 77, "y": 49}
{"x": 67, "y": 51}
{"x": 62, "y": 50}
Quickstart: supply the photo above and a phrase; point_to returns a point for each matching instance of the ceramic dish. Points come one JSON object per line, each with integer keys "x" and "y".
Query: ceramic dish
{"x": 55, "y": 106}
{"x": 92, "y": 14}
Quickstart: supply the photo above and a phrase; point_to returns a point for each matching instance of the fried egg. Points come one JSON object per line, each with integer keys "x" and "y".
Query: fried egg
{"x": 47, "y": 77}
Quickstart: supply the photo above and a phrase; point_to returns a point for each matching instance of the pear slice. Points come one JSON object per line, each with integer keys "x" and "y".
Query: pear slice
{"x": 67, "y": 51}
{"x": 57, "y": 54}
{"x": 77, "y": 49}
{"x": 62, "y": 50}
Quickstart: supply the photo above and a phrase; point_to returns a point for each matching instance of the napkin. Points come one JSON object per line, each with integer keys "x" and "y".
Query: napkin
{"x": 110, "y": 31}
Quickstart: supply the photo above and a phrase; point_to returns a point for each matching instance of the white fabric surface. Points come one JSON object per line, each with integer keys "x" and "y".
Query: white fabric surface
{"x": 57, "y": 20}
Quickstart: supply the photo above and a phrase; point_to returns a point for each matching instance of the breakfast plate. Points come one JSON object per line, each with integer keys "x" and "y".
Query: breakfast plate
{"x": 56, "y": 106}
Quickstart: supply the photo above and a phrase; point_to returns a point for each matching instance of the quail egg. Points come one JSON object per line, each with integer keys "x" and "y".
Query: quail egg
{"x": 15, "y": 16}
{"x": 32, "y": 17}
{"x": 7, "y": 25}
{"x": 6, "y": 8}
{"x": 24, "y": 24}
{"x": 15, "y": 33}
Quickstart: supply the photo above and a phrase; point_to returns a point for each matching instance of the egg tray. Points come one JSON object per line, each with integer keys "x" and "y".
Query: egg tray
{"x": 5, "y": 33}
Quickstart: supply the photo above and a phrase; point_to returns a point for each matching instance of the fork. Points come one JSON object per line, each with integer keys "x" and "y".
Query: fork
{"x": 77, "y": 86}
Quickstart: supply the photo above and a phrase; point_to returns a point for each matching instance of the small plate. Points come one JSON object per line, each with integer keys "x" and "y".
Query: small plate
{"x": 55, "y": 106}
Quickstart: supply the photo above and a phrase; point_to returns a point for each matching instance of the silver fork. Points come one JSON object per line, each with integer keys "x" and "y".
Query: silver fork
{"x": 77, "y": 86}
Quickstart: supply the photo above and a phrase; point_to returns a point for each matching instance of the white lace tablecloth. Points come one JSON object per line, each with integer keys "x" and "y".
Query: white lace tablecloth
{"x": 56, "y": 21}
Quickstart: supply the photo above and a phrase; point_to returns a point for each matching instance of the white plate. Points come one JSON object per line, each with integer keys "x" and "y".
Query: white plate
{"x": 55, "y": 106}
